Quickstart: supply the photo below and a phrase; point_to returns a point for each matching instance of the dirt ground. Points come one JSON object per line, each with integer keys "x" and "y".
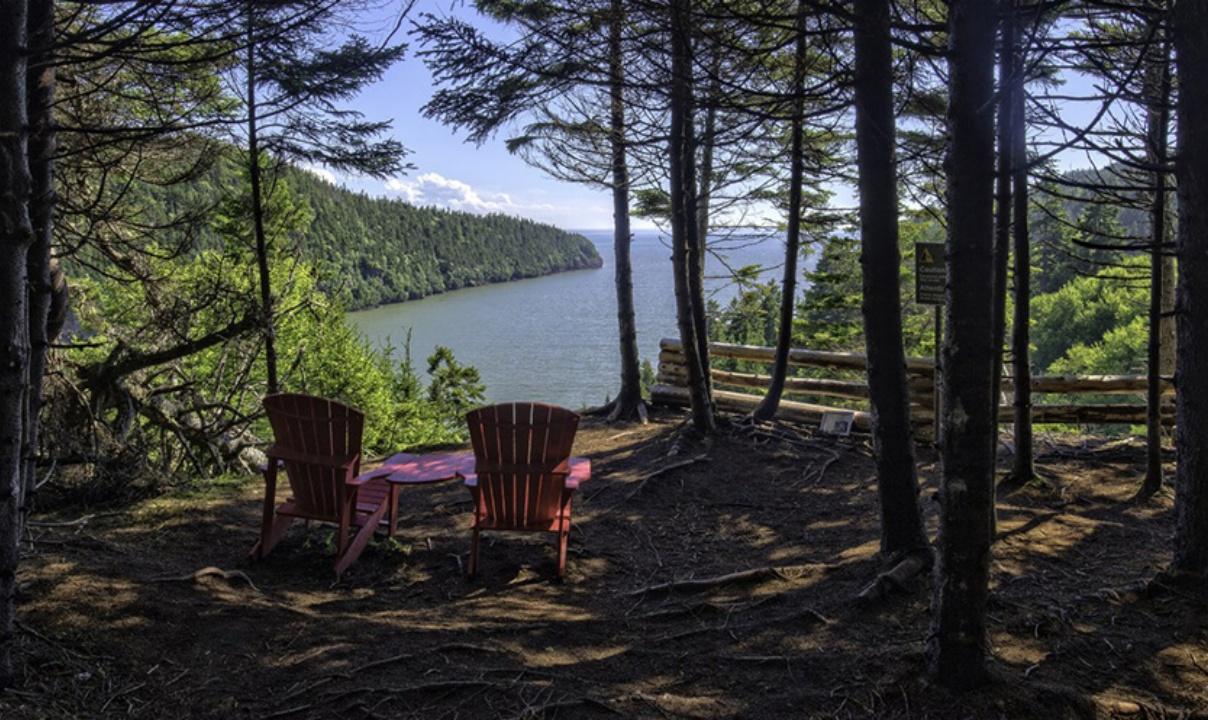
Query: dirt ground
{"x": 114, "y": 623}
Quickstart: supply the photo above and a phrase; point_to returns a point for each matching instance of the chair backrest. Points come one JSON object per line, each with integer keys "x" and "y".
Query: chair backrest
{"x": 316, "y": 427}
{"x": 516, "y": 445}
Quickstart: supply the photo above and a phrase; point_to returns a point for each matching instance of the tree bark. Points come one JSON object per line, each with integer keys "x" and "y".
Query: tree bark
{"x": 792, "y": 240}
{"x": 697, "y": 251}
{"x": 1190, "y": 30}
{"x": 902, "y": 529}
{"x": 16, "y": 236}
{"x": 956, "y": 647}
{"x": 1024, "y": 466}
{"x": 1002, "y": 193}
{"x": 40, "y": 89}
{"x": 628, "y": 405}
{"x": 682, "y": 165}
{"x": 1157, "y": 94}
{"x": 262, "y": 267}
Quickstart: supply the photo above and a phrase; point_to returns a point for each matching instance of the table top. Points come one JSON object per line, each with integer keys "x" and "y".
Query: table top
{"x": 412, "y": 469}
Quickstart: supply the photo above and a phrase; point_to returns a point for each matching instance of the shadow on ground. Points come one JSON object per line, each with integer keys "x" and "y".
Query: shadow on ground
{"x": 117, "y": 622}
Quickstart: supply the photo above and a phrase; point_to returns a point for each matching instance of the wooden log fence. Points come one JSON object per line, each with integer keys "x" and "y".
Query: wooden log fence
{"x": 672, "y": 383}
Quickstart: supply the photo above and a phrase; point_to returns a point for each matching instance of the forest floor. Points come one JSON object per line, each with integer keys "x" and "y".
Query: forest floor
{"x": 117, "y": 622}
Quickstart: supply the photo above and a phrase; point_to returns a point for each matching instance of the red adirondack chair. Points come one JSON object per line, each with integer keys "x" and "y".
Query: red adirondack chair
{"x": 318, "y": 444}
{"x": 522, "y": 461}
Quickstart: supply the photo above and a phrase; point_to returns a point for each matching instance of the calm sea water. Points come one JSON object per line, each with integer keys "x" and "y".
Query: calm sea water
{"x": 554, "y": 339}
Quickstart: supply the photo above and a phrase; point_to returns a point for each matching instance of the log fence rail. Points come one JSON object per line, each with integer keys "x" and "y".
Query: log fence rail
{"x": 670, "y": 388}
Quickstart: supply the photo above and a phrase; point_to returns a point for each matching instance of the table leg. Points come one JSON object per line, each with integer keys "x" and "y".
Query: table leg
{"x": 393, "y": 525}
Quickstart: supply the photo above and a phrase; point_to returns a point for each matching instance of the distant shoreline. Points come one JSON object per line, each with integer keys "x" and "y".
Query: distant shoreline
{"x": 591, "y": 266}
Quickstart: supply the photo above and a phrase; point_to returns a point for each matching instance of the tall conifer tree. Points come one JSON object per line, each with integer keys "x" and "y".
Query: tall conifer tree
{"x": 956, "y": 647}
{"x": 893, "y": 439}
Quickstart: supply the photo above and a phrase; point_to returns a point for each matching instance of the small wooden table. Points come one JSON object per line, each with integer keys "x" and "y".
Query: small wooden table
{"x": 404, "y": 469}
{"x": 409, "y": 469}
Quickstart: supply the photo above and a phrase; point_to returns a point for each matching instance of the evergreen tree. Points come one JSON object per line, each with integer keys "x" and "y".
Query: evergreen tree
{"x": 902, "y": 532}
{"x": 1189, "y": 28}
{"x": 957, "y": 646}
{"x": 568, "y": 74}
{"x": 16, "y": 237}
{"x": 686, "y": 242}
{"x": 293, "y": 80}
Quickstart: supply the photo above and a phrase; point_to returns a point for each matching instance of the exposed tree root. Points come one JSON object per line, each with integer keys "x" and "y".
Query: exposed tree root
{"x": 655, "y": 473}
{"x": 897, "y": 578}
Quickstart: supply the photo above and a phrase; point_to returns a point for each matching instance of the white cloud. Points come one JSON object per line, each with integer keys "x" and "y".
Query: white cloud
{"x": 436, "y": 189}
{"x": 321, "y": 172}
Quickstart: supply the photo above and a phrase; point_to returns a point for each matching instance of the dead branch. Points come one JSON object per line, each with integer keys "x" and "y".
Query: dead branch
{"x": 806, "y": 612}
{"x": 207, "y": 572}
{"x": 784, "y": 572}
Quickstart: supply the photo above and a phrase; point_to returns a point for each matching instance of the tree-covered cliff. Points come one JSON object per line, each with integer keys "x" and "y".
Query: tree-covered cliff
{"x": 374, "y": 250}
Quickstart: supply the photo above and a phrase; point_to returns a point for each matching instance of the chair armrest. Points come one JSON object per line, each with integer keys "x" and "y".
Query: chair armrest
{"x": 368, "y": 477}
{"x": 276, "y": 452}
{"x": 580, "y": 472}
{"x": 268, "y": 463}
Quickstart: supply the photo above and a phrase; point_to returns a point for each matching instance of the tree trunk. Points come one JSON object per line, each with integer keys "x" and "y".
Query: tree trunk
{"x": 1190, "y": 29}
{"x": 40, "y": 89}
{"x": 956, "y": 646}
{"x": 16, "y": 236}
{"x": 1157, "y": 94}
{"x": 697, "y": 252}
{"x": 902, "y": 529}
{"x": 262, "y": 269}
{"x": 682, "y": 165}
{"x": 1024, "y": 470}
{"x": 792, "y": 241}
{"x": 1169, "y": 334}
{"x": 1002, "y": 194}
{"x": 628, "y": 405}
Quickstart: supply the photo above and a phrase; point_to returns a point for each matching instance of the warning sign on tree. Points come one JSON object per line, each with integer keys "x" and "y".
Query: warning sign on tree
{"x": 930, "y": 273}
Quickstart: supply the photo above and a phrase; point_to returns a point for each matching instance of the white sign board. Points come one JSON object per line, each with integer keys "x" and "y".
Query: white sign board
{"x": 837, "y": 422}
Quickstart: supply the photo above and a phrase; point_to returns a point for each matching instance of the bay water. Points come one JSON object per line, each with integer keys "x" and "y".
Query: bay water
{"x": 554, "y": 339}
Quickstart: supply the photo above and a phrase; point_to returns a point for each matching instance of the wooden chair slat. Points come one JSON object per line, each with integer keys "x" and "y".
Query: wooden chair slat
{"x": 517, "y": 447}
{"x": 304, "y": 425}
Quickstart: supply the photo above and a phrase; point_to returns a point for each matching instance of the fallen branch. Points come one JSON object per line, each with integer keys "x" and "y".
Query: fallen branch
{"x": 804, "y": 612}
{"x": 700, "y": 608}
{"x": 817, "y": 477}
{"x": 428, "y": 652}
{"x": 785, "y": 572}
{"x": 545, "y": 709}
{"x": 207, "y": 572}
{"x": 83, "y": 520}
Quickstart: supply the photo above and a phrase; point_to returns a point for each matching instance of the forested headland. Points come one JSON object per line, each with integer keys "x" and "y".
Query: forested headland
{"x": 369, "y": 250}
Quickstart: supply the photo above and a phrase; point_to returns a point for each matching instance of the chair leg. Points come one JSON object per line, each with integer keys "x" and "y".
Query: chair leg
{"x": 354, "y": 548}
{"x": 268, "y": 518}
{"x": 563, "y": 541}
{"x": 271, "y": 535}
{"x": 472, "y": 566}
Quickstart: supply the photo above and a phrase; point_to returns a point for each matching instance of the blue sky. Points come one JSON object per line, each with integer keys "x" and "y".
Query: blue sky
{"x": 452, "y": 173}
